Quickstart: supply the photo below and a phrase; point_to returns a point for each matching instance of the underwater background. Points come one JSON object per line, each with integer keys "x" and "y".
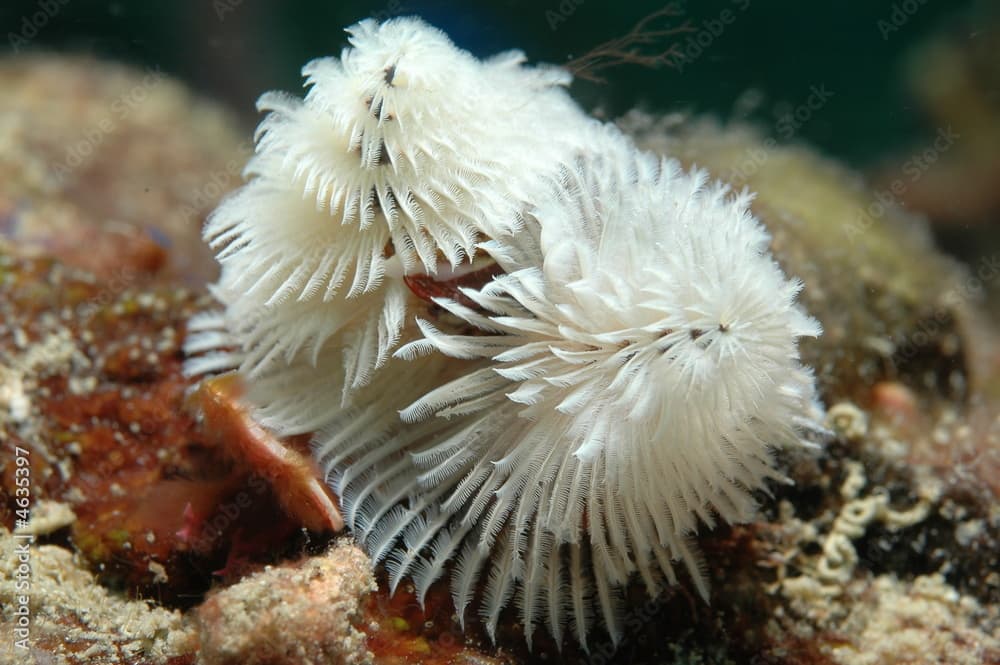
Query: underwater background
{"x": 235, "y": 49}
{"x": 762, "y": 61}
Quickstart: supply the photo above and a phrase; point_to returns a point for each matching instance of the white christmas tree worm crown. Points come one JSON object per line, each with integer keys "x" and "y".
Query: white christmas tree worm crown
{"x": 405, "y": 153}
{"x": 548, "y": 428}
{"x": 637, "y": 362}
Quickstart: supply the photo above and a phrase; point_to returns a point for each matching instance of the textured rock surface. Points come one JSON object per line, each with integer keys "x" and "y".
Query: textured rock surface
{"x": 75, "y": 620}
{"x": 303, "y": 612}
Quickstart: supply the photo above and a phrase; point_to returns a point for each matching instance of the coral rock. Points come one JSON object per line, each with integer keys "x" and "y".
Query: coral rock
{"x": 300, "y": 613}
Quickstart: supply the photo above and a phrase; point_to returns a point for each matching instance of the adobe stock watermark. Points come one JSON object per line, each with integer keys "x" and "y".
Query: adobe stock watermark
{"x": 705, "y": 35}
{"x": 22, "y": 549}
{"x": 561, "y": 12}
{"x": 786, "y": 127}
{"x": 32, "y": 24}
{"x": 790, "y": 122}
{"x": 79, "y": 152}
{"x": 216, "y": 184}
{"x": 970, "y": 288}
{"x": 121, "y": 279}
{"x": 912, "y": 170}
{"x": 633, "y": 622}
{"x": 225, "y": 514}
{"x": 899, "y": 15}
{"x": 392, "y": 8}
{"x": 224, "y": 8}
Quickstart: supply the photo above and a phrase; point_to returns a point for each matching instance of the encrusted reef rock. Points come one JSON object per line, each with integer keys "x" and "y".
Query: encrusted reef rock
{"x": 304, "y": 612}
{"x": 75, "y": 620}
{"x": 95, "y": 257}
{"x": 150, "y": 538}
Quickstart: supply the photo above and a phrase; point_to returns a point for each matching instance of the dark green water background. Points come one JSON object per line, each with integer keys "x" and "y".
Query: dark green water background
{"x": 779, "y": 50}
